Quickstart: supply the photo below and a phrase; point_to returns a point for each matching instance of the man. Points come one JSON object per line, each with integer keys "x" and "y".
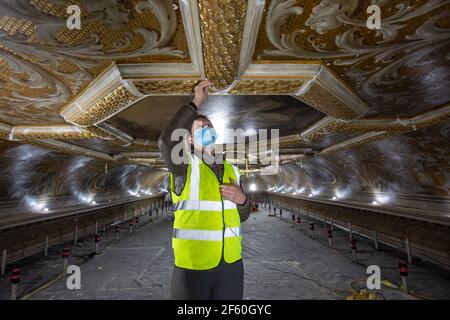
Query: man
{"x": 210, "y": 205}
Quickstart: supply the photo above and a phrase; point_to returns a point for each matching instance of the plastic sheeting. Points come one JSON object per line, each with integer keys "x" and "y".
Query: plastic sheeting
{"x": 281, "y": 262}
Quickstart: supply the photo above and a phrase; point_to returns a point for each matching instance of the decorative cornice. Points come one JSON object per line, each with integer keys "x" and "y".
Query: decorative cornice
{"x": 142, "y": 161}
{"x": 371, "y": 125}
{"x": 255, "y": 9}
{"x": 289, "y": 140}
{"x": 320, "y": 88}
{"x": 107, "y": 95}
{"x": 63, "y": 147}
{"x": 131, "y": 155}
{"x": 191, "y": 21}
{"x": 278, "y": 70}
{"x": 266, "y": 87}
{"x": 222, "y": 26}
{"x": 321, "y": 127}
{"x": 99, "y": 132}
{"x": 399, "y": 125}
{"x": 323, "y": 100}
{"x": 158, "y": 71}
{"x": 358, "y": 141}
{"x": 171, "y": 87}
{"x": 56, "y": 132}
{"x": 343, "y": 92}
{"x": 431, "y": 117}
{"x": 116, "y": 133}
{"x": 147, "y": 145}
{"x": 112, "y": 103}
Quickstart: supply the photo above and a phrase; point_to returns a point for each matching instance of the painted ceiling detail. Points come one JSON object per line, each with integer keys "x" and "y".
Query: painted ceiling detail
{"x": 382, "y": 66}
{"x": 310, "y": 68}
{"x": 44, "y": 63}
{"x": 407, "y": 174}
{"x": 128, "y": 50}
{"x": 221, "y": 49}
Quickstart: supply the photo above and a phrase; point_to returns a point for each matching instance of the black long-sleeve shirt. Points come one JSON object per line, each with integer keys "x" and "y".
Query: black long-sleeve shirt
{"x": 183, "y": 119}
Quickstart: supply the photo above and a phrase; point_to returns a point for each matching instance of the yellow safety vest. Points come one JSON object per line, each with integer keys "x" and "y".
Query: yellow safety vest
{"x": 205, "y": 226}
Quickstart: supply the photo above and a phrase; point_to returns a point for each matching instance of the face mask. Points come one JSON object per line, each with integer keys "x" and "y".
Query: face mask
{"x": 205, "y": 136}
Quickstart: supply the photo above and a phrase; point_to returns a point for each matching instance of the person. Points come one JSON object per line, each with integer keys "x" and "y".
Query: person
{"x": 210, "y": 204}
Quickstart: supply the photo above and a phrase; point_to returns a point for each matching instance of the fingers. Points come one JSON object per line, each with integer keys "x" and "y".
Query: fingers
{"x": 228, "y": 187}
{"x": 227, "y": 190}
{"x": 229, "y": 197}
{"x": 203, "y": 84}
{"x": 234, "y": 182}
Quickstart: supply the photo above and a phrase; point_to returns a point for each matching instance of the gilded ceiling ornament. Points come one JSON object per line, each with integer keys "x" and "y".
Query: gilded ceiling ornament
{"x": 99, "y": 132}
{"x": 92, "y": 46}
{"x": 322, "y": 100}
{"x": 169, "y": 87}
{"x": 331, "y": 127}
{"x": 113, "y": 102}
{"x": 266, "y": 86}
{"x": 374, "y": 63}
{"x": 51, "y": 63}
{"x": 222, "y": 24}
{"x": 366, "y": 126}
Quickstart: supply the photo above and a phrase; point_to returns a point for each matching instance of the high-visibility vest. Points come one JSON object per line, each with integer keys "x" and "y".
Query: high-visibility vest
{"x": 206, "y": 227}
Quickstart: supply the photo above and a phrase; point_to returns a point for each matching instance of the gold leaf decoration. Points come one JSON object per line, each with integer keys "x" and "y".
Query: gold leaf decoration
{"x": 222, "y": 24}
{"x": 113, "y": 102}
{"x": 166, "y": 87}
{"x": 322, "y": 100}
{"x": 267, "y": 87}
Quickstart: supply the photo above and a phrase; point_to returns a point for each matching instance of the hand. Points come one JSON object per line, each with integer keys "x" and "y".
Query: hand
{"x": 201, "y": 92}
{"x": 233, "y": 192}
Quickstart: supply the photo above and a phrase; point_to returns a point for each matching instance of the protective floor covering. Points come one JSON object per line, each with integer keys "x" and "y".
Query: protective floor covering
{"x": 281, "y": 262}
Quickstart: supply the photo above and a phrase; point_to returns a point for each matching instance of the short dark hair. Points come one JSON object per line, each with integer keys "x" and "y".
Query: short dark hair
{"x": 201, "y": 117}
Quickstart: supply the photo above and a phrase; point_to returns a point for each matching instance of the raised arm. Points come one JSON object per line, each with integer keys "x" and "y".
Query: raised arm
{"x": 181, "y": 120}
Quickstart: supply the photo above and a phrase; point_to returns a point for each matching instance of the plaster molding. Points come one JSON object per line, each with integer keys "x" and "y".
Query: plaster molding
{"x": 255, "y": 10}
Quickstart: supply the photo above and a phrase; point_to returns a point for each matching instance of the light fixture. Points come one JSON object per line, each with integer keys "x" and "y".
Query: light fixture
{"x": 375, "y": 203}
{"x": 310, "y": 195}
{"x": 93, "y": 202}
{"x": 382, "y": 198}
{"x": 334, "y": 198}
{"x": 252, "y": 187}
{"x": 46, "y": 209}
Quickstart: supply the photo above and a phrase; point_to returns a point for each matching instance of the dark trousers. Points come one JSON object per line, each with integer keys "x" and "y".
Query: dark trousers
{"x": 225, "y": 282}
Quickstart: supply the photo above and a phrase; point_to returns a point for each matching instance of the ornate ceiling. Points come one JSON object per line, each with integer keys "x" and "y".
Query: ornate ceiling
{"x": 310, "y": 67}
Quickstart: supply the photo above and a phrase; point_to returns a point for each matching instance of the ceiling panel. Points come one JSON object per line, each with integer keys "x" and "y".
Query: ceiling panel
{"x": 147, "y": 118}
{"x": 43, "y": 64}
{"x": 401, "y": 70}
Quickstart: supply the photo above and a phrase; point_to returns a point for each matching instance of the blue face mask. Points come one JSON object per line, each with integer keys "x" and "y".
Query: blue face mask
{"x": 205, "y": 136}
